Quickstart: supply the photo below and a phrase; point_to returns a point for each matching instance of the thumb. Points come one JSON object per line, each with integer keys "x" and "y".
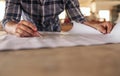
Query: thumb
{"x": 102, "y": 29}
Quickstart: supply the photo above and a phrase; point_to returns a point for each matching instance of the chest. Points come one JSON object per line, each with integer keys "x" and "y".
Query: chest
{"x": 42, "y": 4}
{"x": 42, "y": 1}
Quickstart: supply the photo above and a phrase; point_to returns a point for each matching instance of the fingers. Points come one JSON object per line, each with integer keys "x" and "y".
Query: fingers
{"x": 101, "y": 29}
{"x": 109, "y": 26}
{"x": 37, "y": 34}
{"x": 106, "y": 27}
{"x": 22, "y": 33}
{"x": 26, "y": 29}
{"x": 28, "y": 24}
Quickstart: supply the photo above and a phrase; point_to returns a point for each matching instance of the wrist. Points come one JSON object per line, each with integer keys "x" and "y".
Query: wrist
{"x": 88, "y": 23}
{"x": 10, "y": 27}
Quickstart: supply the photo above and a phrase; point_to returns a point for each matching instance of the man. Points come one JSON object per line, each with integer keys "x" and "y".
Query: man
{"x": 42, "y": 15}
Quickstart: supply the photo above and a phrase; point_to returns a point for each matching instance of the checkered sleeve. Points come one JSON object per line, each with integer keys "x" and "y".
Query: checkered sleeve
{"x": 73, "y": 11}
{"x": 12, "y": 11}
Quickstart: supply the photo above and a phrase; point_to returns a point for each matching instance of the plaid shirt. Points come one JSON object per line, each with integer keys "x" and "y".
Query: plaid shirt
{"x": 42, "y": 13}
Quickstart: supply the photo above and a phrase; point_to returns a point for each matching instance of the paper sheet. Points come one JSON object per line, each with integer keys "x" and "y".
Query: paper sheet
{"x": 79, "y": 35}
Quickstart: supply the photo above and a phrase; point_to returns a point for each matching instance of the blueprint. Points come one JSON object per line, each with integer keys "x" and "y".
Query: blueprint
{"x": 79, "y": 35}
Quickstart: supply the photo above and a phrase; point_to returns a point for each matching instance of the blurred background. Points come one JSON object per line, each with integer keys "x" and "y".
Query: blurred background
{"x": 94, "y": 10}
{"x": 99, "y": 10}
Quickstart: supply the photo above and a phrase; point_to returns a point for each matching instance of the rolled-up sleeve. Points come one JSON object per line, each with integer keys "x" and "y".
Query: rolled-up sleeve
{"x": 73, "y": 11}
{"x": 12, "y": 11}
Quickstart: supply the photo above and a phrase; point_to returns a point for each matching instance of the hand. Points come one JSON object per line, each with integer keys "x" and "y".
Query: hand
{"x": 104, "y": 27}
{"x": 23, "y": 29}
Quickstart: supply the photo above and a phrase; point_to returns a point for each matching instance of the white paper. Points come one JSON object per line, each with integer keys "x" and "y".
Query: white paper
{"x": 79, "y": 28}
{"x": 79, "y": 35}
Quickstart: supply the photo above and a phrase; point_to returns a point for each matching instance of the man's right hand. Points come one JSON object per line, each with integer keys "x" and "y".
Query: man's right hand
{"x": 22, "y": 29}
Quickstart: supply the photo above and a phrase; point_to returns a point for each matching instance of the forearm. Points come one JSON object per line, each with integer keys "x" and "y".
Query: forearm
{"x": 74, "y": 12}
{"x": 91, "y": 24}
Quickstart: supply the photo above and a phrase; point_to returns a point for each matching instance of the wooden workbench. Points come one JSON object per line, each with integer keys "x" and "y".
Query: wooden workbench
{"x": 102, "y": 60}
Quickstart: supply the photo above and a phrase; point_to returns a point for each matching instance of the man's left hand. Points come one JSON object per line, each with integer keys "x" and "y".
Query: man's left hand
{"x": 103, "y": 27}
